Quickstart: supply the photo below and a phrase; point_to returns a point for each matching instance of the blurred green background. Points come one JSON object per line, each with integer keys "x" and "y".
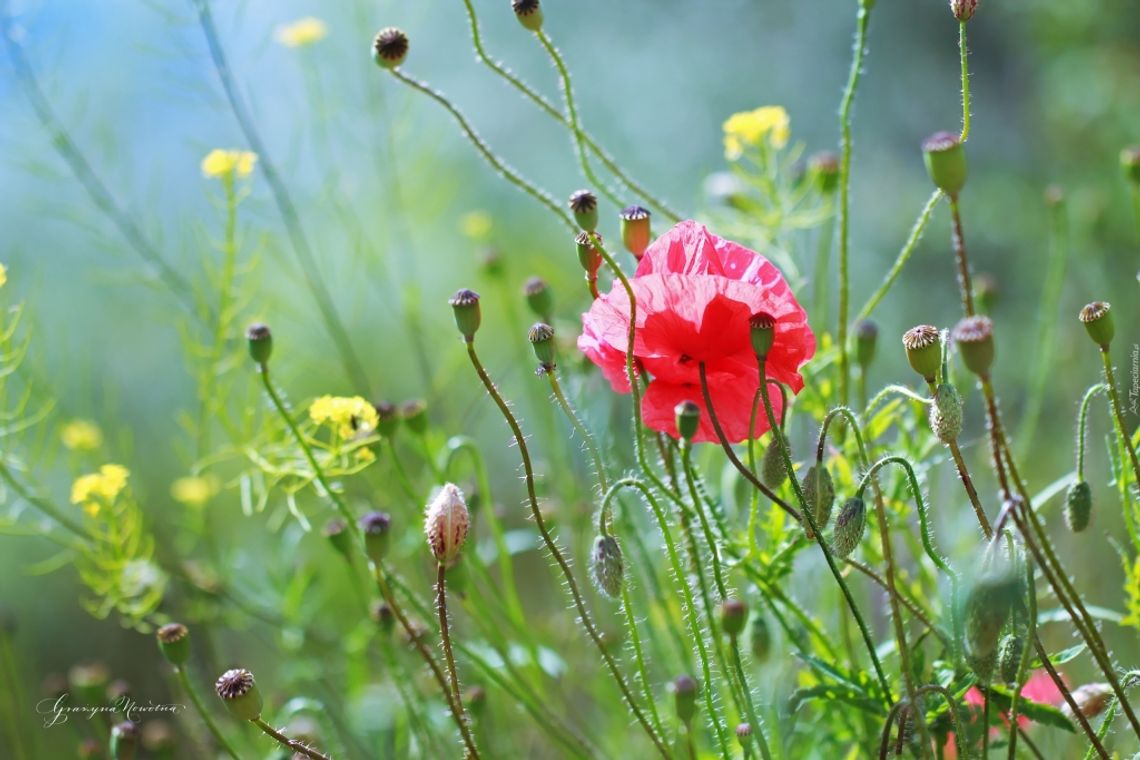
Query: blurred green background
{"x": 382, "y": 179}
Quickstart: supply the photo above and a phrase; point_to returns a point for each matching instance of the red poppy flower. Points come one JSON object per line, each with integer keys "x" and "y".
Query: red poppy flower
{"x": 1038, "y": 688}
{"x": 695, "y": 292}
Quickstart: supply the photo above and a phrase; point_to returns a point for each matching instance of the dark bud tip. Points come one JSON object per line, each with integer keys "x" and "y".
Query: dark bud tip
{"x": 388, "y": 418}
{"x": 174, "y": 643}
{"x": 688, "y": 419}
{"x": 1097, "y": 319}
{"x": 239, "y": 693}
{"x": 468, "y": 316}
{"x": 866, "y": 338}
{"x": 974, "y": 337}
{"x": 824, "y": 169}
{"x": 260, "y": 342}
{"x": 923, "y": 346}
{"x": 336, "y": 531}
{"x": 584, "y": 205}
{"x": 383, "y": 616}
{"x": 635, "y": 230}
{"x": 376, "y": 527}
{"x": 529, "y": 13}
{"x": 414, "y": 415}
{"x": 685, "y": 690}
{"x": 733, "y": 616}
{"x": 541, "y": 337}
{"x": 389, "y": 47}
{"x": 945, "y": 159}
{"x": 539, "y": 297}
{"x": 762, "y": 329}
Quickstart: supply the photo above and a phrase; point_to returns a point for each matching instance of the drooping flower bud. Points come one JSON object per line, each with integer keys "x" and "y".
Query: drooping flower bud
{"x": 635, "y": 232}
{"x": 387, "y": 419}
{"x": 759, "y": 637}
{"x": 541, "y": 337}
{"x": 946, "y": 413}
{"x": 529, "y": 13}
{"x": 584, "y": 205}
{"x": 588, "y": 254}
{"x": 336, "y": 531}
{"x": 923, "y": 346}
{"x": 866, "y": 337}
{"x": 377, "y": 530}
{"x": 743, "y": 733}
{"x": 685, "y": 690}
{"x": 945, "y": 159}
{"x": 1130, "y": 163}
{"x": 733, "y": 616}
{"x": 239, "y": 694}
{"x": 607, "y": 566}
{"x": 1078, "y": 506}
{"x": 963, "y": 10}
{"x": 975, "y": 339}
{"x": 850, "y": 525}
{"x": 1009, "y": 657}
{"x": 762, "y": 329}
{"x": 773, "y": 471}
{"x": 445, "y": 524}
{"x": 125, "y": 738}
{"x": 389, "y": 47}
{"x": 260, "y": 342}
{"x": 688, "y": 419}
{"x": 468, "y": 316}
{"x": 987, "y": 607}
{"x": 819, "y": 493}
{"x": 174, "y": 643}
{"x": 824, "y": 169}
{"x": 1097, "y": 319}
{"x": 986, "y": 292}
{"x": 414, "y": 415}
{"x": 1091, "y": 699}
{"x": 539, "y": 298}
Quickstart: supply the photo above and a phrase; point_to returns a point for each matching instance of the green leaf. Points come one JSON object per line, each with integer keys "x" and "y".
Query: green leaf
{"x": 1037, "y": 712}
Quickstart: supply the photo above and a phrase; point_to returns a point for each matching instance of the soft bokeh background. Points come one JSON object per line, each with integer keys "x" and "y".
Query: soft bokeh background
{"x": 382, "y": 179}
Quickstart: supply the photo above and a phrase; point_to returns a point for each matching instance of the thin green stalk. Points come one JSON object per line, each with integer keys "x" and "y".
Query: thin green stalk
{"x": 1105, "y": 724}
{"x": 445, "y": 635}
{"x": 196, "y": 700}
{"x": 579, "y": 428}
{"x": 1082, "y": 426}
{"x": 292, "y": 745}
{"x": 639, "y": 657}
{"x": 39, "y": 503}
{"x": 964, "y": 53}
{"x": 1118, "y": 417}
{"x": 698, "y": 507}
{"x": 12, "y": 709}
{"x": 822, "y": 259}
{"x": 904, "y": 255}
{"x": 1023, "y": 663}
{"x": 1136, "y": 207}
{"x": 750, "y": 708}
{"x": 958, "y": 242}
{"x": 401, "y": 472}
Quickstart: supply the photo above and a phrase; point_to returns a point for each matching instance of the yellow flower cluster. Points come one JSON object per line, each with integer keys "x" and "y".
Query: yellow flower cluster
{"x": 346, "y": 415}
{"x": 97, "y": 489}
{"x": 749, "y": 128}
{"x": 302, "y": 32}
{"x": 227, "y": 164}
{"x": 3, "y": 275}
{"x": 476, "y": 225}
{"x": 81, "y": 435}
{"x": 193, "y": 490}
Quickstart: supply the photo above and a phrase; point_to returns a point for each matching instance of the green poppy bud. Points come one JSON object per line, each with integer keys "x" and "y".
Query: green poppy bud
{"x": 945, "y": 162}
{"x": 850, "y": 525}
{"x": 762, "y": 326}
{"x": 866, "y": 337}
{"x": 1097, "y": 319}
{"x": 824, "y": 169}
{"x": 975, "y": 339}
{"x": 1078, "y": 506}
{"x": 389, "y": 47}
{"x": 635, "y": 232}
{"x": 588, "y": 254}
{"x": 819, "y": 493}
{"x": 529, "y": 14}
{"x": 733, "y": 616}
{"x": 759, "y": 637}
{"x": 260, "y": 342}
{"x": 1009, "y": 657}
{"x": 539, "y": 298}
{"x": 376, "y": 527}
{"x": 541, "y": 337}
{"x": 336, "y": 531}
{"x": 584, "y": 205}
{"x": 607, "y": 565}
{"x": 744, "y": 734}
{"x": 174, "y": 643}
{"x": 988, "y": 604}
{"x": 239, "y": 694}
{"x": 923, "y": 346}
{"x": 1130, "y": 163}
{"x": 685, "y": 690}
{"x": 946, "y": 413}
{"x": 125, "y": 738}
{"x": 468, "y": 316}
{"x": 688, "y": 419}
{"x": 963, "y": 10}
{"x": 414, "y": 415}
{"x": 772, "y": 469}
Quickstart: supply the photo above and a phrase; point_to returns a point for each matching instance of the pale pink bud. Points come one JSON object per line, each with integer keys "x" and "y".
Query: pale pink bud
{"x": 445, "y": 524}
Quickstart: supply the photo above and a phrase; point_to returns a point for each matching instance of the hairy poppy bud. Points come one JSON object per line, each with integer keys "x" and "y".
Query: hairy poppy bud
{"x": 772, "y": 468}
{"x": 866, "y": 336}
{"x": 743, "y": 733}
{"x": 1130, "y": 163}
{"x": 383, "y": 616}
{"x": 759, "y": 637}
{"x": 376, "y": 527}
{"x": 635, "y": 233}
{"x": 819, "y": 493}
{"x": 849, "y": 527}
{"x": 387, "y": 419}
{"x": 1091, "y": 699}
{"x": 607, "y": 565}
{"x": 239, "y": 693}
{"x": 541, "y": 337}
{"x": 986, "y": 292}
{"x": 539, "y": 298}
{"x": 1009, "y": 657}
{"x": 946, "y": 413}
{"x": 336, "y": 531}
{"x": 963, "y": 10}
{"x": 1078, "y": 506}
{"x": 923, "y": 346}
{"x": 389, "y": 47}
{"x": 685, "y": 690}
{"x": 445, "y": 524}
{"x": 824, "y": 169}
{"x": 945, "y": 162}
{"x": 174, "y": 643}
{"x": 688, "y": 419}
{"x": 987, "y": 607}
{"x": 762, "y": 326}
{"x": 124, "y": 740}
{"x": 468, "y": 316}
{"x": 529, "y": 13}
{"x": 584, "y": 206}
{"x": 733, "y": 616}
{"x": 975, "y": 339}
{"x": 260, "y": 342}
{"x": 588, "y": 254}
{"x": 1097, "y": 319}
{"x": 414, "y": 415}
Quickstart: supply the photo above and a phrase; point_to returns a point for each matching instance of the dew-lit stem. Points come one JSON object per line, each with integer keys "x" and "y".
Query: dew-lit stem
{"x": 445, "y": 634}
{"x": 1118, "y": 416}
{"x": 958, "y": 242}
{"x": 964, "y": 53}
{"x": 203, "y": 713}
{"x": 1082, "y": 426}
{"x": 993, "y": 426}
{"x": 967, "y": 481}
{"x": 290, "y": 744}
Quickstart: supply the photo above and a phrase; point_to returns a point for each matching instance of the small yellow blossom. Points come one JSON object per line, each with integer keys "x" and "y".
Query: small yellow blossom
{"x": 96, "y": 489}
{"x": 194, "y": 491}
{"x": 476, "y": 225}
{"x": 81, "y": 435}
{"x": 749, "y": 128}
{"x": 365, "y": 455}
{"x": 227, "y": 164}
{"x": 302, "y": 32}
{"x": 3, "y": 275}
{"x": 346, "y": 415}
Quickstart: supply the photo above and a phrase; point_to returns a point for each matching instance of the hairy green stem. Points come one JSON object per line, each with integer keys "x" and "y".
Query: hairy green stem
{"x": 1082, "y": 426}
{"x": 40, "y": 503}
{"x": 290, "y": 744}
{"x": 964, "y": 53}
{"x": 1118, "y": 417}
{"x": 1023, "y": 662}
{"x": 445, "y": 635}
{"x": 958, "y": 242}
{"x": 904, "y": 255}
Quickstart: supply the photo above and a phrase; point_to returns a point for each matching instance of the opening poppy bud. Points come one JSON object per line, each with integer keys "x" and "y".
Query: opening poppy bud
{"x": 743, "y": 732}
{"x": 849, "y": 527}
{"x": 445, "y": 524}
{"x": 635, "y": 233}
{"x": 946, "y": 413}
{"x": 584, "y": 205}
{"x": 529, "y": 13}
{"x": 468, "y": 316}
{"x": 541, "y": 337}
{"x": 762, "y": 326}
{"x": 1078, "y": 506}
{"x": 588, "y": 254}
{"x": 1091, "y": 699}
{"x": 383, "y": 616}
{"x": 866, "y": 337}
{"x": 414, "y": 415}
{"x": 819, "y": 493}
{"x": 759, "y": 637}
{"x": 923, "y": 346}
{"x": 987, "y": 607}
{"x": 539, "y": 298}
{"x": 376, "y": 527}
{"x": 963, "y": 10}
{"x": 1009, "y": 657}
{"x": 336, "y": 531}
{"x": 685, "y": 690}
{"x": 945, "y": 162}
{"x": 772, "y": 469}
{"x": 1097, "y": 319}
{"x": 824, "y": 169}
{"x": 733, "y": 616}
{"x": 1130, "y": 163}
{"x": 688, "y": 419}
{"x": 125, "y": 738}
{"x": 607, "y": 565}
{"x": 986, "y": 292}
{"x": 975, "y": 339}
{"x": 387, "y": 418}
{"x": 239, "y": 694}
{"x": 475, "y": 698}
{"x": 389, "y": 47}
{"x": 260, "y": 342}
{"x": 174, "y": 643}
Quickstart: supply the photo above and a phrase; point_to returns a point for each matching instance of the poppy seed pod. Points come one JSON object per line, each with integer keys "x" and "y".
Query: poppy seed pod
{"x": 607, "y": 565}
{"x": 762, "y": 327}
{"x": 584, "y": 205}
{"x": 773, "y": 471}
{"x": 468, "y": 316}
{"x": 1130, "y": 163}
{"x": 541, "y": 337}
{"x": 124, "y": 740}
{"x": 239, "y": 693}
{"x": 946, "y": 413}
{"x": 414, "y": 415}
{"x": 963, "y": 10}
{"x": 688, "y": 419}
{"x": 945, "y": 159}
{"x": 588, "y": 254}
{"x": 174, "y": 643}
{"x": 445, "y": 524}
{"x": 850, "y": 525}
{"x": 529, "y": 13}
{"x": 685, "y": 690}
{"x": 866, "y": 337}
{"x": 743, "y": 733}
{"x": 824, "y": 169}
{"x": 387, "y": 419}
{"x": 759, "y": 637}
{"x": 987, "y": 608}
{"x": 1009, "y": 657}
{"x": 819, "y": 493}
{"x": 923, "y": 346}
{"x": 1078, "y": 506}
{"x": 539, "y": 298}
{"x": 389, "y": 47}
{"x": 1097, "y": 319}
{"x": 986, "y": 292}
{"x": 975, "y": 339}
{"x": 260, "y": 342}
{"x": 635, "y": 232}
{"x": 376, "y": 527}
{"x": 733, "y": 616}
{"x": 336, "y": 532}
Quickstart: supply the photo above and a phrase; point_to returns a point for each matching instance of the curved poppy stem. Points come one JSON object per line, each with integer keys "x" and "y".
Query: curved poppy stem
{"x": 1082, "y": 426}
{"x": 1118, "y": 416}
{"x": 291, "y": 744}
{"x": 445, "y": 635}
{"x": 905, "y": 253}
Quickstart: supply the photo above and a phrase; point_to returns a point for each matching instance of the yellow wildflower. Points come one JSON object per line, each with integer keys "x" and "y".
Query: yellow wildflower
{"x": 81, "y": 435}
{"x": 3, "y": 275}
{"x": 476, "y": 225}
{"x": 96, "y": 489}
{"x": 749, "y": 128}
{"x": 193, "y": 491}
{"x": 346, "y": 415}
{"x": 227, "y": 164}
{"x": 302, "y": 32}
{"x": 365, "y": 455}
